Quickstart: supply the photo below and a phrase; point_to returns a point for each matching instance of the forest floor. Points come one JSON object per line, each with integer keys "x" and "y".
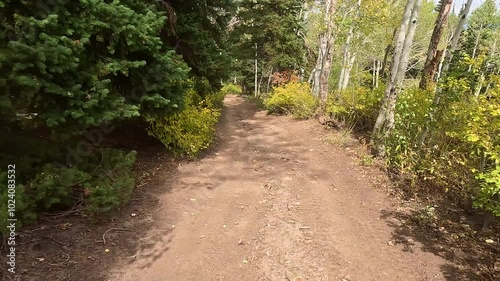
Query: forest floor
{"x": 274, "y": 199}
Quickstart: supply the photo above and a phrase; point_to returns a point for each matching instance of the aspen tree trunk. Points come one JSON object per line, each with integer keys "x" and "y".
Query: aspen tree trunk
{"x": 348, "y": 59}
{"x": 256, "y": 71}
{"x": 260, "y": 83}
{"x": 430, "y": 68}
{"x": 476, "y": 44}
{"x": 269, "y": 80}
{"x": 325, "y": 53}
{"x": 480, "y": 85}
{"x": 373, "y": 75}
{"x": 347, "y": 73}
{"x": 385, "y": 119}
{"x": 456, "y": 36}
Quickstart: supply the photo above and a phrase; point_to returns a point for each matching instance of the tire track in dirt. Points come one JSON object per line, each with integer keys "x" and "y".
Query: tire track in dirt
{"x": 272, "y": 201}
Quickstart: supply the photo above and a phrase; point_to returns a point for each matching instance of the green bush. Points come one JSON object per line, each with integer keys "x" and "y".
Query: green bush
{"x": 56, "y": 186}
{"x": 112, "y": 183}
{"x": 215, "y": 100}
{"x": 101, "y": 182}
{"x": 24, "y": 207}
{"x": 460, "y": 154}
{"x": 411, "y": 115}
{"x": 357, "y": 108}
{"x": 191, "y": 130}
{"x": 294, "y": 99}
{"x": 231, "y": 89}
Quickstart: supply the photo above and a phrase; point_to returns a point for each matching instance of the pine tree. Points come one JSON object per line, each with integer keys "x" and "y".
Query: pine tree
{"x": 199, "y": 34}
{"x": 76, "y": 66}
{"x": 275, "y": 28}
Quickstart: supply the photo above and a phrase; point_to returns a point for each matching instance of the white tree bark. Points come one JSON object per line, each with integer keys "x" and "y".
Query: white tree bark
{"x": 348, "y": 59}
{"x": 377, "y": 73}
{"x": 269, "y": 80}
{"x": 456, "y": 35}
{"x": 347, "y": 73}
{"x": 476, "y": 45}
{"x": 256, "y": 71}
{"x": 321, "y": 72}
{"x": 385, "y": 119}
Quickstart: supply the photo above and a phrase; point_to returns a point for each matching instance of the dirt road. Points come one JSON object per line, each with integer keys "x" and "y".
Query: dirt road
{"x": 273, "y": 201}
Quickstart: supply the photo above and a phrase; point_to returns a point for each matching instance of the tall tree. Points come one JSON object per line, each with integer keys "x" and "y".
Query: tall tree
{"x": 275, "y": 28}
{"x": 199, "y": 33}
{"x": 433, "y": 56}
{"x": 456, "y": 36}
{"x": 348, "y": 56}
{"x": 77, "y": 66}
{"x": 385, "y": 120}
{"x": 321, "y": 72}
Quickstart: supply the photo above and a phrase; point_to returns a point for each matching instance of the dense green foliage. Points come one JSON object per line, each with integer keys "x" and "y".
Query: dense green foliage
{"x": 294, "y": 99}
{"x": 72, "y": 70}
{"x": 199, "y": 34}
{"x": 231, "y": 89}
{"x": 73, "y": 67}
{"x": 269, "y": 31}
{"x": 100, "y": 184}
{"x": 445, "y": 140}
{"x": 356, "y": 107}
{"x": 190, "y": 130}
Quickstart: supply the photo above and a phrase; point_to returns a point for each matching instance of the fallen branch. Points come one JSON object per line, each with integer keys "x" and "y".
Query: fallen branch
{"x": 55, "y": 241}
{"x": 61, "y": 263}
{"x": 116, "y": 229}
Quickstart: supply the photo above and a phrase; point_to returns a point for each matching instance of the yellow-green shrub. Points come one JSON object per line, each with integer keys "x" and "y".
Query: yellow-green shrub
{"x": 231, "y": 89}
{"x": 215, "y": 100}
{"x": 356, "y": 107}
{"x": 460, "y": 154}
{"x": 190, "y": 130}
{"x": 480, "y": 132}
{"x": 294, "y": 99}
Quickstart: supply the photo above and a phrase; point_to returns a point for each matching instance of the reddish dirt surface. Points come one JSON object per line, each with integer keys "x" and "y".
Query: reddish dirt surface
{"x": 272, "y": 200}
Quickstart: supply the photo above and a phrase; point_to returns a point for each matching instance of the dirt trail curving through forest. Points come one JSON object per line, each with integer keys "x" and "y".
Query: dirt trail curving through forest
{"x": 273, "y": 201}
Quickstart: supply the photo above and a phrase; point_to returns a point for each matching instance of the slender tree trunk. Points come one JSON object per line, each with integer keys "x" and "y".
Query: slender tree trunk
{"x": 325, "y": 53}
{"x": 347, "y": 59}
{"x": 341, "y": 76}
{"x": 347, "y": 73}
{"x": 403, "y": 29}
{"x": 456, "y": 36}
{"x": 374, "y": 66}
{"x": 316, "y": 73}
{"x": 479, "y": 85}
{"x": 385, "y": 119}
{"x": 476, "y": 44}
{"x": 256, "y": 71}
{"x": 269, "y": 80}
{"x": 260, "y": 83}
{"x": 377, "y": 73}
{"x": 430, "y": 68}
